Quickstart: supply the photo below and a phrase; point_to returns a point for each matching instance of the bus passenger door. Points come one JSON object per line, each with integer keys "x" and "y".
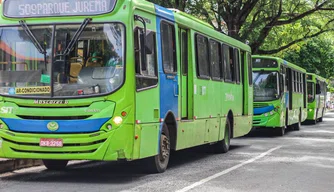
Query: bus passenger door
{"x": 183, "y": 36}
{"x": 244, "y": 84}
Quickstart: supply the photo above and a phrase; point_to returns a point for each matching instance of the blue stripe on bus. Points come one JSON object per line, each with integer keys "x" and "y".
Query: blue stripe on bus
{"x": 65, "y": 126}
{"x": 258, "y": 111}
{"x": 287, "y": 99}
{"x": 168, "y": 82}
{"x": 165, "y": 13}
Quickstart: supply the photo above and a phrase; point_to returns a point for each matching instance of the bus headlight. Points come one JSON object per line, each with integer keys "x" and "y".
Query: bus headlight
{"x": 118, "y": 120}
{"x": 271, "y": 112}
{"x": 310, "y": 109}
{"x": 266, "y": 114}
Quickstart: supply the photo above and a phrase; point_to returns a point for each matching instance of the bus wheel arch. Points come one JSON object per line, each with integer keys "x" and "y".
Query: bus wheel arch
{"x": 231, "y": 119}
{"x": 171, "y": 123}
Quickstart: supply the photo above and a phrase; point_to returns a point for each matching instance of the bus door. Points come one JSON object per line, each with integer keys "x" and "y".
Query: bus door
{"x": 184, "y": 83}
{"x": 244, "y": 84}
{"x": 169, "y": 90}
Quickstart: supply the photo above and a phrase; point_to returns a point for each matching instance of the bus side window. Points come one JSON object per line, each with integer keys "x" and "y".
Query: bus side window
{"x": 227, "y": 64}
{"x": 215, "y": 59}
{"x": 236, "y": 64}
{"x": 168, "y": 48}
{"x": 202, "y": 57}
{"x": 250, "y": 73}
{"x": 145, "y": 77}
{"x": 232, "y": 63}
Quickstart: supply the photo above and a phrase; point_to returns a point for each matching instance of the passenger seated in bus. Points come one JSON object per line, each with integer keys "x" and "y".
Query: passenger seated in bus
{"x": 109, "y": 58}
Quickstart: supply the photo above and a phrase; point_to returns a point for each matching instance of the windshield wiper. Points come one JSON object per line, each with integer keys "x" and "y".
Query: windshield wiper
{"x": 76, "y": 36}
{"x": 32, "y": 37}
{"x": 260, "y": 73}
{"x": 34, "y": 40}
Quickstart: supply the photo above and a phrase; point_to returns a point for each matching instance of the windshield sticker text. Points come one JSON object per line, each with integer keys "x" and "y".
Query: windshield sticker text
{"x": 32, "y": 90}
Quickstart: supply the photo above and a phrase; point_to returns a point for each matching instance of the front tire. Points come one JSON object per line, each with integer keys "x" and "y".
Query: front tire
{"x": 159, "y": 163}
{"x": 55, "y": 165}
{"x": 224, "y": 145}
{"x": 280, "y": 131}
{"x": 320, "y": 119}
{"x": 297, "y": 126}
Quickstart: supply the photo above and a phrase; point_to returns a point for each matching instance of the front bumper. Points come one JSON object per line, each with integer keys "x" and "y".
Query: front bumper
{"x": 99, "y": 145}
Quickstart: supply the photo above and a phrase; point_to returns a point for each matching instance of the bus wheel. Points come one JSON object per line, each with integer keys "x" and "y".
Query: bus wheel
{"x": 320, "y": 119}
{"x": 297, "y": 126}
{"x": 224, "y": 145}
{"x": 159, "y": 163}
{"x": 280, "y": 131}
{"x": 55, "y": 165}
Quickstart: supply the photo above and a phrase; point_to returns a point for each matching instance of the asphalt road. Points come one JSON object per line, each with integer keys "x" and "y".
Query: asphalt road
{"x": 300, "y": 161}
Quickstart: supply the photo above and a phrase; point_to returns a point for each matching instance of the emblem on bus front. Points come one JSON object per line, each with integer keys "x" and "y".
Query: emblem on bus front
{"x": 52, "y": 126}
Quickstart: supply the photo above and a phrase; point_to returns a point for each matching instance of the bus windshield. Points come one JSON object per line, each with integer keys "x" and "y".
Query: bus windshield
{"x": 265, "y": 85}
{"x": 94, "y": 64}
{"x": 310, "y": 92}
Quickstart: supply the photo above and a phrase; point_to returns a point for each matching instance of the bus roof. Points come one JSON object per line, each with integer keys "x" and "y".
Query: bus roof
{"x": 318, "y": 77}
{"x": 188, "y": 21}
{"x": 280, "y": 60}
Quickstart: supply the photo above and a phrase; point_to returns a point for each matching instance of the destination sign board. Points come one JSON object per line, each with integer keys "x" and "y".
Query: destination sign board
{"x": 51, "y": 8}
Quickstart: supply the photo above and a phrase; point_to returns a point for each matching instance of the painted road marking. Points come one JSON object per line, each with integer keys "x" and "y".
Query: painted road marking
{"x": 227, "y": 170}
{"x": 309, "y": 139}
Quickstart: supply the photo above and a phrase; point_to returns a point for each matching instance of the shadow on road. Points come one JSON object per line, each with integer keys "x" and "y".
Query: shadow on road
{"x": 116, "y": 172}
{"x": 265, "y": 133}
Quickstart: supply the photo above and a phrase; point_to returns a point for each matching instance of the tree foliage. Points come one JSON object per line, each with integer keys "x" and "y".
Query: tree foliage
{"x": 317, "y": 56}
{"x": 256, "y": 20}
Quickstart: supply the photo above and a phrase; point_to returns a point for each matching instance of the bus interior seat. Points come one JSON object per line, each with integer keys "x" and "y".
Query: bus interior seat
{"x": 76, "y": 66}
{"x": 90, "y": 63}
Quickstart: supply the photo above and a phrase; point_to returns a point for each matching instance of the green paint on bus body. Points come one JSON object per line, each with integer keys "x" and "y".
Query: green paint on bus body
{"x": 316, "y": 105}
{"x": 288, "y": 109}
{"x": 209, "y": 102}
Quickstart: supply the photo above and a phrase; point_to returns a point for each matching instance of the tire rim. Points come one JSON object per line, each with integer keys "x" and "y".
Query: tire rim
{"x": 227, "y": 136}
{"x": 164, "y": 145}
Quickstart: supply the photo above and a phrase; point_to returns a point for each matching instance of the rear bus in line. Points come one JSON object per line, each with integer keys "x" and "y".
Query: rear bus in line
{"x": 316, "y": 98}
{"x": 279, "y": 94}
{"x": 124, "y": 80}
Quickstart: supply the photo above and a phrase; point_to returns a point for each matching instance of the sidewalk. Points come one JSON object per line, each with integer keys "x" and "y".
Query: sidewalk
{"x": 7, "y": 165}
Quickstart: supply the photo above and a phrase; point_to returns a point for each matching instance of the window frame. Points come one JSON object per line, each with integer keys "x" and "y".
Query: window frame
{"x": 236, "y": 55}
{"x": 140, "y": 74}
{"x": 199, "y": 76}
{"x": 226, "y": 47}
{"x": 221, "y": 78}
{"x": 174, "y": 48}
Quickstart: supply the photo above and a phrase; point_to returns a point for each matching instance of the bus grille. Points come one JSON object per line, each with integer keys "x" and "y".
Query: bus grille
{"x": 54, "y": 117}
{"x": 256, "y": 122}
{"x": 259, "y": 105}
{"x": 83, "y": 143}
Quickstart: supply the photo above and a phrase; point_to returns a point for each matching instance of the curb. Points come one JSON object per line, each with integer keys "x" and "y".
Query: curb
{"x": 7, "y": 165}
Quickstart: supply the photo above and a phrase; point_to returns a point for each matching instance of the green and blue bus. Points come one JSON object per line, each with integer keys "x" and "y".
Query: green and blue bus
{"x": 117, "y": 80}
{"x": 317, "y": 93}
{"x": 279, "y": 94}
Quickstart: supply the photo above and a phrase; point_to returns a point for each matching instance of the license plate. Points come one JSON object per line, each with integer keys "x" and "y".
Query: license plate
{"x": 51, "y": 142}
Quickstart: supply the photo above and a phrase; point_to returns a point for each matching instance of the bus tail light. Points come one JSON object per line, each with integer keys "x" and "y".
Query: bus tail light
{"x": 1, "y": 126}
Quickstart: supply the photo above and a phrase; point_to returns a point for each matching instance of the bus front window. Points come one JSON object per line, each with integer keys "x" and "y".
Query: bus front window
{"x": 265, "y": 86}
{"x": 25, "y": 60}
{"x": 87, "y": 63}
{"x": 95, "y": 63}
{"x": 310, "y": 92}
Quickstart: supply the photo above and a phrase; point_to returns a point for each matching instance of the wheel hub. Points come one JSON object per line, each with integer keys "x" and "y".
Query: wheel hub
{"x": 164, "y": 154}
